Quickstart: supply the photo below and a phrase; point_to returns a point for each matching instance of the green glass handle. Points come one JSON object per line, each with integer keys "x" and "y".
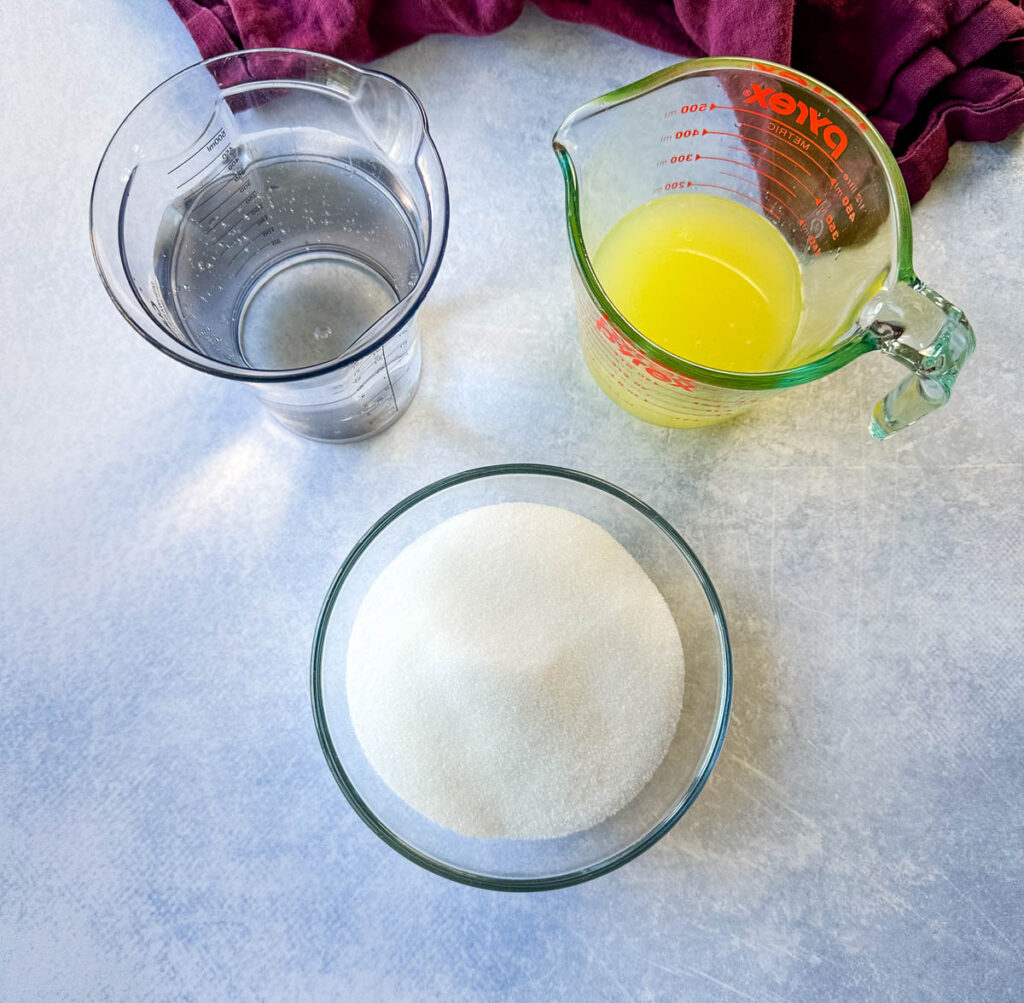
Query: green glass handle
{"x": 916, "y": 326}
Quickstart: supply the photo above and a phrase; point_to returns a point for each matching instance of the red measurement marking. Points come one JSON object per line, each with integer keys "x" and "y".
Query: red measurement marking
{"x": 757, "y": 202}
{"x": 739, "y": 163}
{"x": 775, "y": 118}
{"x": 779, "y": 167}
{"x": 747, "y": 139}
{"x": 766, "y": 209}
{"x": 761, "y": 204}
{"x": 788, "y": 142}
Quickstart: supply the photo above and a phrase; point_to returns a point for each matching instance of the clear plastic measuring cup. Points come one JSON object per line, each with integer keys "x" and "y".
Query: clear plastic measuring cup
{"x": 810, "y": 164}
{"x": 276, "y": 217}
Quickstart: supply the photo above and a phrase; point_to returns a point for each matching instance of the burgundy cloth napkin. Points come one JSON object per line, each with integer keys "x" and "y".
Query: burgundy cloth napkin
{"x": 927, "y": 72}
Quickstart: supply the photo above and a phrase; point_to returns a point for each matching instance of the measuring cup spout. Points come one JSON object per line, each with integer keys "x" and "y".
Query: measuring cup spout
{"x": 564, "y": 139}
{"x": 922, "y": 330}
{"x": 564, "y": 144}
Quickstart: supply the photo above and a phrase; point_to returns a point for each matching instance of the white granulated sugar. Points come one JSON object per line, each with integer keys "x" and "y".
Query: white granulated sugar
{"x": 514, "y": 673}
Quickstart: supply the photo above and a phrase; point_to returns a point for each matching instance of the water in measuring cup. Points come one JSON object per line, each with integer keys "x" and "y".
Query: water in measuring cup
{"x": 284, "y": 261}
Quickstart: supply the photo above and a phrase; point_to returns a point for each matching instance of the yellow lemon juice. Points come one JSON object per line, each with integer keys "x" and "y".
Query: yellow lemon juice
{"x": 703, "y": 278}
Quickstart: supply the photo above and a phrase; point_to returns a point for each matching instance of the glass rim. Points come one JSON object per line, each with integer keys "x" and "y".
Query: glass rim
{"x": 567, "y": 878}
{"x": 816, "y": 368}
{"x": 410, "y": 303}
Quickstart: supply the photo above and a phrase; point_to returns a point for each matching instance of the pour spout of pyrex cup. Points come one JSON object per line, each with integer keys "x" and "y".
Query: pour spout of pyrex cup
{"x": 742, "y": 137}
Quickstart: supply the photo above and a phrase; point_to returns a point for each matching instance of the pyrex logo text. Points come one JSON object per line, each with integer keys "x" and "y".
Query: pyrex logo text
{"x": 786, "y": 104}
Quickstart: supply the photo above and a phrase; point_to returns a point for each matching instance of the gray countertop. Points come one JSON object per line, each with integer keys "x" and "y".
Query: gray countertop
{"x": 169, "y": 829}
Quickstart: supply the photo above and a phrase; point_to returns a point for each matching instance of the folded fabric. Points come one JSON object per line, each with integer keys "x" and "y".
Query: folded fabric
{"x": 927, "y": 72}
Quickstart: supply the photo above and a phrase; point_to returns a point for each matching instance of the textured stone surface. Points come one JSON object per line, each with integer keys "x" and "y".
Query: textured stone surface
{"x": 169, "y": 829}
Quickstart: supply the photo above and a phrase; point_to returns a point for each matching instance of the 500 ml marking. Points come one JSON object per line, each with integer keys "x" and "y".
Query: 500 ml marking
{"x": 217, "y": 140}
{"x": 212, "y": 145}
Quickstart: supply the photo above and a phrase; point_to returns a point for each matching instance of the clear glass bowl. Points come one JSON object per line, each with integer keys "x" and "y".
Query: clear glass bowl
{"x": 539, "y": 864}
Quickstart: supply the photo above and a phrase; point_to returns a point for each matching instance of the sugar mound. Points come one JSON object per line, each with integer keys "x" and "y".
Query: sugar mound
{"x": 514, "y": 673}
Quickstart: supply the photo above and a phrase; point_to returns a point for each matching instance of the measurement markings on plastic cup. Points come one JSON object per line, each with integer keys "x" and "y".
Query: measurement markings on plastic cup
{"x": 211, "y": 214}
{"x": 206, "y": 199}
{"x": 241, "y": 236}
{"x": 228, "y": 206}
{"x": 208, "y": 147}
{"x": 229, "y": 210}
{"x": 226, "y": 191}
{"x": 202, "y": 170}
{"x": 242, "y": 253}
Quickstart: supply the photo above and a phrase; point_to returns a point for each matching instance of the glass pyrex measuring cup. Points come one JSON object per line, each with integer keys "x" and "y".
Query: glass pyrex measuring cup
{"x": 276, "y": 217}
{"x": 810, "y": 164}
